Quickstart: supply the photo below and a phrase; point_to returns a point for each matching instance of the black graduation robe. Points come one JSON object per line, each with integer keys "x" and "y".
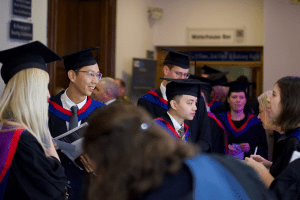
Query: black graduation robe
{"x": 32, "y": 175}
{"x": 283, "y": 150}
{"x": 251, "y": 132}
{"x": 57, "y": 125}
{"x": 215, "y": 177}
{"x": 166, "y": 123}
{"x": 199, "y": 127}
{"x": 287, "y": 185}
{"x": 219, "y": 135}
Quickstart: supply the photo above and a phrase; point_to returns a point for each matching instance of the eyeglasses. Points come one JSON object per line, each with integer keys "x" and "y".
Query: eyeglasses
{"x": 91, "y": 73}
{"x": 180, "y": 74}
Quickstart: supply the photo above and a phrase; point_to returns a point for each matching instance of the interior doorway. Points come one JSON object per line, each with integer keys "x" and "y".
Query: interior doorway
{"x": 74, "y": 25}
{"x": 222, "y": 60}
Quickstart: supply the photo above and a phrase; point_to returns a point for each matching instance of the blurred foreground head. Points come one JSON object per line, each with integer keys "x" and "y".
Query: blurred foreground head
{"x": 130, "y": 152}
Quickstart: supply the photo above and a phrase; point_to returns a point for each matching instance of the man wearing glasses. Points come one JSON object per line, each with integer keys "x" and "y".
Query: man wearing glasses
{"x": 176, "y": 66}
{"x": 71, "y": 108}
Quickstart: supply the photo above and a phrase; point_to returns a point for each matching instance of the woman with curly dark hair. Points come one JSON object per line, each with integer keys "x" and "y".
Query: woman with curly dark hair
{"x": 134, "y": 158}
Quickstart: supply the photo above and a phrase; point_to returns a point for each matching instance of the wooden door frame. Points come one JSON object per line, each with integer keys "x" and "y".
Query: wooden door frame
{"x": 257, "y": 65}
{"x": 108, "y": 38}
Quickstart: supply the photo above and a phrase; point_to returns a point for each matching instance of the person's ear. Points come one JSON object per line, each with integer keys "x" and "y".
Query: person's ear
{"x": 166, "y": 69}
{"x": 72, "y": 75}
{"x": 173, "y": 104}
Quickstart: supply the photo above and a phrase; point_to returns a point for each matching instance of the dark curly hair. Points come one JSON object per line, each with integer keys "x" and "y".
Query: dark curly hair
{"x": 132, "y": 154}
{"x": 289, "y": 117}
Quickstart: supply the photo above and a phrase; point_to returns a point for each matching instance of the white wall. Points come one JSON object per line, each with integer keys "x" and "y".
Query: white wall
{"x": 133, "y": 35}
{"x": 39, "y": 20}
{"x": 180, "y": 15}
{"x": 282, "y": 41}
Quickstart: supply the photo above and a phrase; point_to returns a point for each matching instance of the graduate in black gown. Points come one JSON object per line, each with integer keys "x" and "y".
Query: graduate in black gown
{"x": 29, "y": 165}
{"x": 83, "y": 72}
{"x": 134, "y": 158}
{"x": 176, "y": 66}
{"x": 218, "y": 132}
{"x": 283, "y": 109}
{"x": 244, "y": 130}
{"x": 182, "y": 97}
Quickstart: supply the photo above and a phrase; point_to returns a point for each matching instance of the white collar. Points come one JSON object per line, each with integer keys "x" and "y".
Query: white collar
{"x": 67, "y": 103}
{"x": 177, "y": 126}
{"x": 163, "y": 91}
{"x": 110, "y": 101}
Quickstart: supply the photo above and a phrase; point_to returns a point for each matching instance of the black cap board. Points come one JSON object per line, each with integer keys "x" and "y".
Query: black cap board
{"x": 209, "y": 70}
{"x": 31, "y": 55}
{"x": 183, "y": 87}
{"x": 208, "y": 86}
{"x": 177, "y": 58}
{"x": 237, "y": 86}
{"x": 80, "y": 59}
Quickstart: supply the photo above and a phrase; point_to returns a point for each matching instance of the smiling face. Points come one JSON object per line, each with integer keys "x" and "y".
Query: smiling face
{"x": 186, "y": 108}
{"x": 237, "y": 101}
{"x": 274, "y": 103}
{"x": 84, "y": 82}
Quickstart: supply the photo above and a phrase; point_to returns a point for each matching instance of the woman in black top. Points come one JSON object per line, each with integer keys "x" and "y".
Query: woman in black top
{"x": 284, "y": 110}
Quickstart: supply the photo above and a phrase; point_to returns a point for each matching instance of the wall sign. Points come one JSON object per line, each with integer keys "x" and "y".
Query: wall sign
{"x": 215, "y": 36}
{"x": 22, "y": 8}
{"x": 20, "y": 30}
{"x": 249, "y": 56}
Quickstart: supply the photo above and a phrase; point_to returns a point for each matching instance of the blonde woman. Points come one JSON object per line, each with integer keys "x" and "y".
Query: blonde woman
{"x": 263, "y": 116}
{"x": 30, "y": 167}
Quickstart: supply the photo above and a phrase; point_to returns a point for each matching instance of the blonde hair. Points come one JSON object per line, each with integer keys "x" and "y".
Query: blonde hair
{"x": 262, "y": 99}
{"x": 24, "y": 103}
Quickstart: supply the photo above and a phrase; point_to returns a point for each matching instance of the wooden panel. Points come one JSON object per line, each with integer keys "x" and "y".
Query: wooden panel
{"x": 74, "y": 25}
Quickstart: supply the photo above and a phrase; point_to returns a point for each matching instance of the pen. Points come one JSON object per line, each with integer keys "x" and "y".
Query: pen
{"x": 255, "y": 151}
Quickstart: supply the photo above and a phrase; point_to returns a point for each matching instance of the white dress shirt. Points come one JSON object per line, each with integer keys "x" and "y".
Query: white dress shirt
{"x": 67, "y": 104}
{"x": 177, "y": 126}
{"x": 163, "y": 91}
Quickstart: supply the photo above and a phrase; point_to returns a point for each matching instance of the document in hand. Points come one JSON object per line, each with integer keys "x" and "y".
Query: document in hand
{"x": 70, "y": 142}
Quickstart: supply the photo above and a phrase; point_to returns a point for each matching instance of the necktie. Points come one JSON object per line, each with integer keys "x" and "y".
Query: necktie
{"x": 181, "y": 132}
{"x": 74, "y": 118}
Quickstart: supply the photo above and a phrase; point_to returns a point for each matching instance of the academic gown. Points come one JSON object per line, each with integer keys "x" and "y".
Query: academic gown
{"x": 251, "y": 132}
{"x": 57, "y": 125}
{"x": 219, "y": 135}
{"x": 283, "y": 150}
{"x": 287, "y": 185}
{"x": 199, "y": 127}
{"x": 31, "y": 174}
{"x": 210, "y": 177}
{"x": 166, "y": 123}
{"x": 214, "y": 103}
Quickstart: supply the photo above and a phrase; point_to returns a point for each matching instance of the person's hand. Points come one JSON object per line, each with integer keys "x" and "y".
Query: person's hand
{"x": 55, "y": 145}
{"x": 245, "y": 147}
{"x": 52, "y": 150}
{"x": 232, "y": 151}
{"x": 262, "y": 171}
{"x": 87, "y": 163}
{"x": 262, "y": 160}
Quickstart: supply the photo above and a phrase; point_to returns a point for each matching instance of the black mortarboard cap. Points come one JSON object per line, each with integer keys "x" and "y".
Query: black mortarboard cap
{"x": 183, "y": 87}
{"x": 80, "y": 59}
{"x": 208, "y": 86}
{"x": 177, "y": 58}
{"x": 219, "y": 77}
{"x": 209, "y": 70}
{"x": 237, "y": 86}
{"x": 31, "y": 55}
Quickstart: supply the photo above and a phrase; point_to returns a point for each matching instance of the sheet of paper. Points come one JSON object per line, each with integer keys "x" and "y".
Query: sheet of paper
{"x": 295, "y": 155}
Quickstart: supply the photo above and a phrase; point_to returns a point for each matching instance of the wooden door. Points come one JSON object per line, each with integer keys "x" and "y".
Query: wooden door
{"x": 74, "y": 25}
